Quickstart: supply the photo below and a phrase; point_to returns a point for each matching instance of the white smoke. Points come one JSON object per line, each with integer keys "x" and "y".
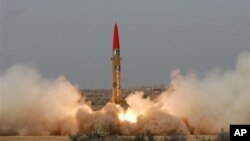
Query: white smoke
{"x": 32, "y": 105}
{"x": 213, "y": 102}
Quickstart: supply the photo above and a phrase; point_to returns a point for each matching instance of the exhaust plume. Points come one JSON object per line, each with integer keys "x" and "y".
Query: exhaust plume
{"x": 213, "y": 102}
{"x": 33, "y": 105}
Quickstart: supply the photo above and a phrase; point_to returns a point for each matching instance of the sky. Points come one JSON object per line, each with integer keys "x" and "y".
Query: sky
{"x": 74, "y": 38}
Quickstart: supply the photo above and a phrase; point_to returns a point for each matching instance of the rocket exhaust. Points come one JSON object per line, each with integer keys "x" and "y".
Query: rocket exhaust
{"x": 116, "y": 68}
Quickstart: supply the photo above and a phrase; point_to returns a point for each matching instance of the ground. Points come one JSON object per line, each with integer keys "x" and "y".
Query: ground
{"x": 66, "y": 138}
{"x": 34, "y": 138}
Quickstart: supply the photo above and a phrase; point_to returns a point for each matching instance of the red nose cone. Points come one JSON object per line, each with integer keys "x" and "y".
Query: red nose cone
{"x": 116, "y": 44}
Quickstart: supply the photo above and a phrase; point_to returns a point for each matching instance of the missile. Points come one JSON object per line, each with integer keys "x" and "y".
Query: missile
{"x": 116, "y": 68}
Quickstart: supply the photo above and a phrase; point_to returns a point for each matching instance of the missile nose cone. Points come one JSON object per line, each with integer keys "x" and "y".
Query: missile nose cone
{"x": 116, "y": 43}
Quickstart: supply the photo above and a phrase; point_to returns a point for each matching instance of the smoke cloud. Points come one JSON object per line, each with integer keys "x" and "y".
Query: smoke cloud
{"x": 33, "y": 105}
{"x": 213, "y": 102}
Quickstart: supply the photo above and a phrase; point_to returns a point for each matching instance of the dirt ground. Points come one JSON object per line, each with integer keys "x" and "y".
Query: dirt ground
{"x": 34, "y": 138}
{"x": 66, "y": 138}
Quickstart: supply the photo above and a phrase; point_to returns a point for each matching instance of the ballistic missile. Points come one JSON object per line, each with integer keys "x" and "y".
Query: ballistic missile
{"x": 116, "y": 68}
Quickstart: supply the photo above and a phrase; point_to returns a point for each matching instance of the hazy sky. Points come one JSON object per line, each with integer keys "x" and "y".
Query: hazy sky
{"x": 74, "y": 37}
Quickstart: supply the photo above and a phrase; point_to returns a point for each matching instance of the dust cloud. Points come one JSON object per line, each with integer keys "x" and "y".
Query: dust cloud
{"x": 33, "y": 105}
{"x": 213, "y": 102}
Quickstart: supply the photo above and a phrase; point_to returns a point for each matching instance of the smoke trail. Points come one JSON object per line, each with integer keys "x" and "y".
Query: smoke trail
{"x": 32, "y": 105}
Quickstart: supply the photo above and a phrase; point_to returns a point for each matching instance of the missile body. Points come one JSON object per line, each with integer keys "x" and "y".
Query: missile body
{"x": 116, "y": 68}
